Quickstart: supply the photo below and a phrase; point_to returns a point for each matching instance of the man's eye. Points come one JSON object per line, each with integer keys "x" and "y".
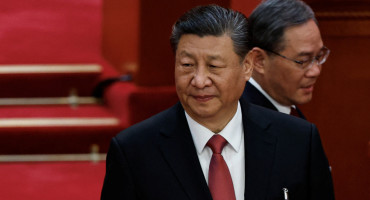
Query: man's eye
{"x": 320, "y": 55}
{"x": 216, "y": 66}
{"x": 302, "y": 61}
{"x": 186, "y": 65}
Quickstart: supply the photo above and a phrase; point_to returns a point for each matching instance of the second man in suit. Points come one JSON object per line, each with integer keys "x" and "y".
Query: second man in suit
{"x": 287, "y": 53}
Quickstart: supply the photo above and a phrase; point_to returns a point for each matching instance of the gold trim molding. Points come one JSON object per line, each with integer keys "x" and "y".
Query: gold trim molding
{"x": 60, "y": 122}
{"x": 50, "y": 68}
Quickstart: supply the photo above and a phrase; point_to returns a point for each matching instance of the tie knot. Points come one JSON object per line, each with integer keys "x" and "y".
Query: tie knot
{"x": 216, "y": 143}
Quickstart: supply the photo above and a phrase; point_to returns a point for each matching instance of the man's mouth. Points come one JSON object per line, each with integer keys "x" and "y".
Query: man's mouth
{"x": 203, "y": 98}
{"x": 308, "y": 89}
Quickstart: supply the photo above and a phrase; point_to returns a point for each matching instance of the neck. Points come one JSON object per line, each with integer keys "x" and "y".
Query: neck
{"x": 280, "y": 107}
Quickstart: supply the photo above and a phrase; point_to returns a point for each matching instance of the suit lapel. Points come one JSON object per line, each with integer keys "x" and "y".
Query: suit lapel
{"x": 259, "y": 155}
{"x": 253, "y": 95}
{"x": 177, "y": 147}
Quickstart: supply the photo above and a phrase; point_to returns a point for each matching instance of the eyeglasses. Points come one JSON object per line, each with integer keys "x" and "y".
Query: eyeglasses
{"x": 307, "y": 64}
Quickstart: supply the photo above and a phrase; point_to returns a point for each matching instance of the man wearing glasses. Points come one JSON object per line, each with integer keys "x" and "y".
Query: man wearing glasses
{"x": 287, "y": 53}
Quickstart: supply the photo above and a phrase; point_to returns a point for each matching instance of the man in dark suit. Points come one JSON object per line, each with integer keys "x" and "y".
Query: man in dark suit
{"x": 211, "y": 145}
{"x": 287, "y": 53}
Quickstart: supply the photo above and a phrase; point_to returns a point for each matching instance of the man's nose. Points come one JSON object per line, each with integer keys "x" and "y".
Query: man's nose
{"x": 315, "y": 70}
{"x": 201, "y": 78}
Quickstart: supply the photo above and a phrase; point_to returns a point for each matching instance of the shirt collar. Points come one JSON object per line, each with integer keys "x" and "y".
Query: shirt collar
{"x": 232, "y": 132}
{"x": 279, "y": 107}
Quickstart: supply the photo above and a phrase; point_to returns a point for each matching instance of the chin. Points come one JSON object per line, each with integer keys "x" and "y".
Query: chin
{"x": 203, "y": 113}
{"x": 197, "y": 110}
{"x": 304, "y": 100}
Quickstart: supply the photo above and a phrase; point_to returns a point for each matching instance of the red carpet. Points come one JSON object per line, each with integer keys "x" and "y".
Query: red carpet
{"x": 51, "y": 181}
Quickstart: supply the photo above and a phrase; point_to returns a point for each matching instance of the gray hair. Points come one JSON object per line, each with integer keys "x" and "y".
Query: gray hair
{"x": 271, "y": 18}
{"x": 215, "y": 21}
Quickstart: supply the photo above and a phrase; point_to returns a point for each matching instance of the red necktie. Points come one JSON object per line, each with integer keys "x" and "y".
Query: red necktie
{"x": 219, "y": 179}
{"x": 294, "y": 112}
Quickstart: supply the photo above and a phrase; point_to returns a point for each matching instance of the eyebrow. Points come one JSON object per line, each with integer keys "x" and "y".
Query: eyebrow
{"x": 215, "y": 57}
{"x": 305, "y": 53}
{"x": 186, "y": 54}
{"x": 210, "y": 57}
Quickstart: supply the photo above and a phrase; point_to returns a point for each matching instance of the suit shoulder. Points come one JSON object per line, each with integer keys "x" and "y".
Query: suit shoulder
{"x": 279, "y": 119}
{"x": 147, "y": 128}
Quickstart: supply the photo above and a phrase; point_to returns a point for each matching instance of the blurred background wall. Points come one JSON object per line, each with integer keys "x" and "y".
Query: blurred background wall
{"x": 132, "y": 37}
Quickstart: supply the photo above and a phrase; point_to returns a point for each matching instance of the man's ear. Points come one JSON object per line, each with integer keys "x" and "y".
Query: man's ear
{"x": 248, "y": 68}
{"x": 258, "y": 58}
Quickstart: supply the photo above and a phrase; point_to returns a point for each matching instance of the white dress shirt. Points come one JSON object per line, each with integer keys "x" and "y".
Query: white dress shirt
{"x": 280, "y": 107}
{"x": 233, "y": 152}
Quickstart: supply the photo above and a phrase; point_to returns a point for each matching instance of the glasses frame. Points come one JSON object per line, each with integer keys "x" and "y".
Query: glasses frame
{"x": 311, "y": 62}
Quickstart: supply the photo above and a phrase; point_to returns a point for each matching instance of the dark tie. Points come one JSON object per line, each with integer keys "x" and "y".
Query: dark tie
{"x": 219, "y": 179}
{"x": 294, "y": 112}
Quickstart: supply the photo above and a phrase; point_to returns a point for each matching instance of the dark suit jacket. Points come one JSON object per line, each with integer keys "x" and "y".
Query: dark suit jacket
{"x": 157, "y": 159}
{"x": 253, "y": 95}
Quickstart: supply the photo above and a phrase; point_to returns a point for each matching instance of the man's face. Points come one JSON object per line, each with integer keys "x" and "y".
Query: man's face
{"x": 284, "y": 80}
{"x": 210, "y": 76}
